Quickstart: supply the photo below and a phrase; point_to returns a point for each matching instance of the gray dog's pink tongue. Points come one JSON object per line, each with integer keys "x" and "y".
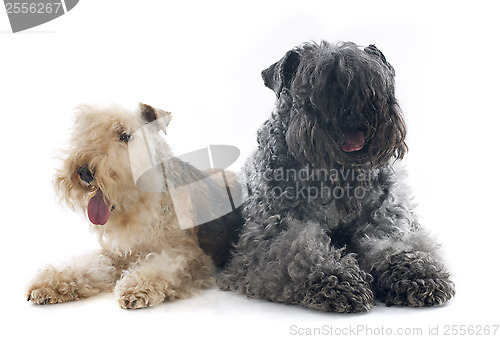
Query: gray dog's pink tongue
{"x": 98, "y": 209}
{"x": 353, "y": 141}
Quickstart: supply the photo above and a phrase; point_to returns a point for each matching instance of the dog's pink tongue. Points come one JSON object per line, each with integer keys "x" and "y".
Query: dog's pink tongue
{"x": 353, "y": 141}
{"x": 98, "y": 209}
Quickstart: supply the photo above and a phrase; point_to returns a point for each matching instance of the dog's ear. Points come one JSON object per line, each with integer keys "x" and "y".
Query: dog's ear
{"x": 373, "y": 50}
{"x": 279, "y": 75}
{"x": 151, "y": 114}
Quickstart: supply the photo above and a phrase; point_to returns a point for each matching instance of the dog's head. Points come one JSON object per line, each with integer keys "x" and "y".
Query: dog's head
{"x": 342, "y": 105}
{"x": 96, "y": 174}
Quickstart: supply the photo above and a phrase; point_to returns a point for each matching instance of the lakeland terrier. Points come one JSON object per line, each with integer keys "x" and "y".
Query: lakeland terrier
{"x": 147, "y": 255}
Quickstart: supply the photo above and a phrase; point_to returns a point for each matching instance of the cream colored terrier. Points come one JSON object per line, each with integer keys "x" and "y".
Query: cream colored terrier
{"x": 146, "y": 256}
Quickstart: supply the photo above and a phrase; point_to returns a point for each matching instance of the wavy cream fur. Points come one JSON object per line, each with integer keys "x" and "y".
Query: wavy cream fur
{"x": 145, "y": 257}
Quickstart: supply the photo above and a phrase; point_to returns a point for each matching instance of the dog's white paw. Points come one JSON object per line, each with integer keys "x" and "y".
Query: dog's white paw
{"x": 51, "y": 291}
{"x": 140, "y": 299}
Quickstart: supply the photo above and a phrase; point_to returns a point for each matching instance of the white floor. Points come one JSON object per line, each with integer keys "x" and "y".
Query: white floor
{"x": 227, "y": 315}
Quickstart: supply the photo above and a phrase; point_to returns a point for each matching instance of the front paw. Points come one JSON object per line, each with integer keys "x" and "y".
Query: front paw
{"x": 51, "y": 287}
{"x": 420, "y": 292}
{"x": 350, "y": 294}
{"x": 134, "y": 295}
{"x": 413, "y": 279}
{"x": 137, "y": 300}
{"x": 49, "y": 295}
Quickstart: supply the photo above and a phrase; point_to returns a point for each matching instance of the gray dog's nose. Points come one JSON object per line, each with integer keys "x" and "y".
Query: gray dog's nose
{"x": 85, "y": 174}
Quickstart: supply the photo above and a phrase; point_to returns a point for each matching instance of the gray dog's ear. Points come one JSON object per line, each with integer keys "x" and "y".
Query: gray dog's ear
{"x": 151, "y": 114}
{"x": 373, "y": 50}
{"x": 279, "y": 75}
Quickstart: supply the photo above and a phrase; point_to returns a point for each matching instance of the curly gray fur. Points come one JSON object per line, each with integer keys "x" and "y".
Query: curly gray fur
{"x": 326, "y": 251}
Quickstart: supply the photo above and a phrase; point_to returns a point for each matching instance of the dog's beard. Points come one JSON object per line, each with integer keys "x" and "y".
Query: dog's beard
{"x": 314, "y": 144}
{"x": 321, "y": 143}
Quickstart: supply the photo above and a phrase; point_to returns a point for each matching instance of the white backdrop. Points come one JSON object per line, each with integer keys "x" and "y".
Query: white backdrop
{"x": 202, "y": 61}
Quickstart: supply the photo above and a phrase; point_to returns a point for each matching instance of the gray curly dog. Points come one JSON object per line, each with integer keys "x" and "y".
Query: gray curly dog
{"x": 329, "y": 224}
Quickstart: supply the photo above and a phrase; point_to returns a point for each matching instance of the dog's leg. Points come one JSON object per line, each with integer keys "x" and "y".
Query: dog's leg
{"x": 84, "y": 277}
{"x": 164, "y": 276}
{"x": 298, "y": 266}
{"x": 404, "y": 262}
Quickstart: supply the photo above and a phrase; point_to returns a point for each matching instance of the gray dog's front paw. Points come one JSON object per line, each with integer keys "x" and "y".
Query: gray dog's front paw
{"x": 411, "y": 279}
{"x": 349, "y": 294}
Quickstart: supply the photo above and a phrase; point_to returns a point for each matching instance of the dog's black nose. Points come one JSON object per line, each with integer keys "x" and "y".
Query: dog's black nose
{"x": 85, "y": 174}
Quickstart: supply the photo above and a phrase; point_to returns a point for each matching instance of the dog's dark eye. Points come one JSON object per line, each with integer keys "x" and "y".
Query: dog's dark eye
{"x": 126, "y": 137}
